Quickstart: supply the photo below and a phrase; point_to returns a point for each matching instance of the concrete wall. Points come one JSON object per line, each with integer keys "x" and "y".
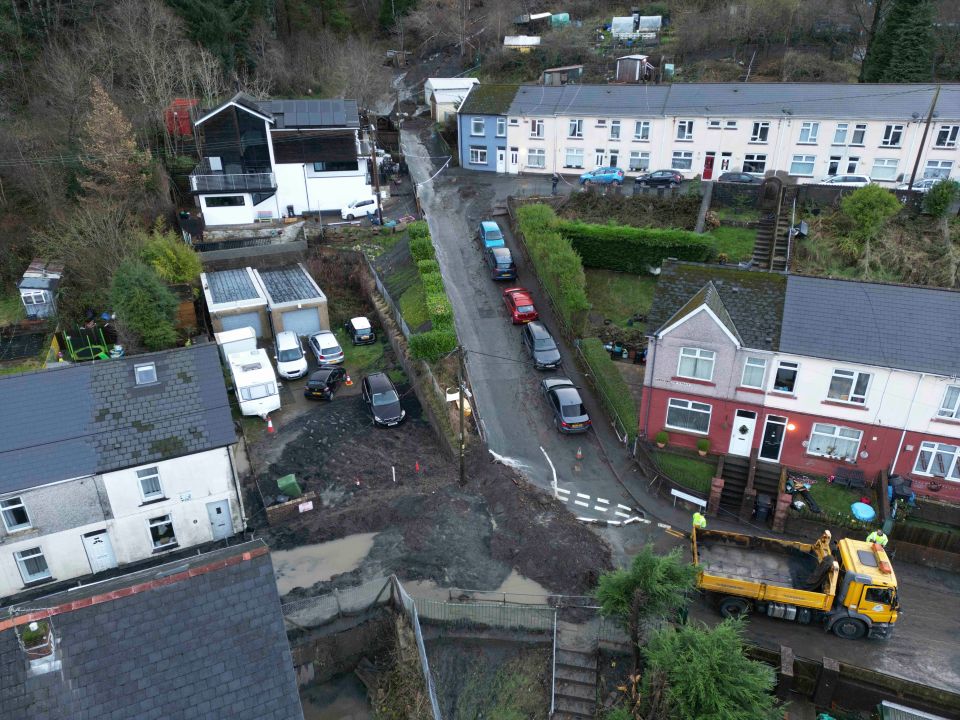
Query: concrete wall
{"x": 300, "y": 186}
{"x": 487, "y": 140}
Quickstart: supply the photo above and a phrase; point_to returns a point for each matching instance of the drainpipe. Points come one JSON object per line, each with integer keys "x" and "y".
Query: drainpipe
{"x": 653, "y": 367}
{"x": 236, "y": 485}
{"x": 906, "y": 422}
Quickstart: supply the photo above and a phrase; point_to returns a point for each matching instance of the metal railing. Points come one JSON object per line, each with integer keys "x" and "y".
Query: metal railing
{"x": 394, "y": 308}
{"x": 240, "y": 182}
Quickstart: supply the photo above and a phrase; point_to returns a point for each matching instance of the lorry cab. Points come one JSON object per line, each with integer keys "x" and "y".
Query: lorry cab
{"x": 868, "y": 586}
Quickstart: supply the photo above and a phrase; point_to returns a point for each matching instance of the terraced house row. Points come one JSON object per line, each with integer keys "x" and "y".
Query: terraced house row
{"x": 809, "y": 131}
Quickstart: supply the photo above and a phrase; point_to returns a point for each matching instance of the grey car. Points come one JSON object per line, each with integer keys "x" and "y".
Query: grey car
{"x": 540, "y": 344}
{"x": 563, "y": 397}
{"x": 382, "y": 400}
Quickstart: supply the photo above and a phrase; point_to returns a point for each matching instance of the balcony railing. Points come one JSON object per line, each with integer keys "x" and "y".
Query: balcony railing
{"x": 236, "y": 182}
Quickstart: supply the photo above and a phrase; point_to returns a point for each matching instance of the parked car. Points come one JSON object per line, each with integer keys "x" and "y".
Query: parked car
{"x": 382, "y": 400}
{"x": 322, "y": 383}
{"x": 922, "y": 185}
{"x": 501, "y": 264}
{"x": 491, "y": 235}
{"x": 540, "y": 344}
{"x": 520, "y": 304}
{"x": 569, "y": 414}
{"x": 603, "y": 176}
{"x": 326, "y": 348}
{"x": 288, "y": 352}
{"x": 360, "y": 331}
{"x": 364, "y": 207}
{"x": 739, "y": 177}
{"x": 846, "y": 180}
{"x": 660, "y": 178}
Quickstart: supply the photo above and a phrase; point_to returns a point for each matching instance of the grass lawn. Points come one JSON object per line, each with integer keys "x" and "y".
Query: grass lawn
{"x": 835, "y": 499}
{"x": 737, "y": 214}
{"x": 413, "y": 306}
{"x": 619, "y": 296}
{"x": 736, "y": 243}
{"x": 11, "y": 309}
{"x": 361, "y": 359}
{"x": 692, "y": 473}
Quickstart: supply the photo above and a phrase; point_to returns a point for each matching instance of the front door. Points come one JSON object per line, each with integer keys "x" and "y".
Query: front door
{"x": 501, "y": 160}
{"x": 99, "y": 551}
{"x": 725, "y": 161}
{"x": 220, "y": 521}
{"x": 708, "y": 165}
{"x": 773, "y": 431}
{"x": 741, "y": 437}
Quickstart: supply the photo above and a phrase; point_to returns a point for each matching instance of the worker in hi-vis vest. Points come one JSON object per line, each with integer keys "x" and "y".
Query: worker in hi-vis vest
{"x": 699, "y": 521}
{"x": 879, "y": 537}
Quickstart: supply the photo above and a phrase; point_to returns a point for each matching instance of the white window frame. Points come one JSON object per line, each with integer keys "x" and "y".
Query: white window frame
{"x": 478, "y": 155}
{"x": 809, "y": 132}
{"x": 854, "y": 377}
{"x": 10, "y": 505}
{"x": 514, "y": 122}
{"x": 892, "y": 136}
{"x": 939, "y": 169}
{"x": 614, "y": 129}
{"x": 698, "y": 356}
{"x": 600, "y": 155}
{"x": 157, "y": 521}
{"x": 641, "y": 131}
{"x": 614, "y": 157}
{"x": 713, "y": 124}
{"x": 835, "y": 434}
{"x": 947, "y": 136}
{"x": 501, "y": 127}
{"x": 685, "y": 157}
{"x": 536, "y": 129}
{"x": 601, "y": 122}
{"x": 150, "y": 473}
{"x": 756, "y": 160}
{"x": 689, "y": 406}
{"x": 730, "y": 125}
{"x": 803, "y": 165}
{"x": 951, "y": 471}
{"x": 684, "y": 130}
{"x": 840, "y": 134}
{"x": 538, "y": 154}
{"x": 566, "y": 158}
{"x": 760, "y": 132}
{"x": 575, "y": 128}
{"x": 859, "y": 138}
{"x": 853, "y": 162}
{"x": 255, "y": 392}
{"x": 474, "y": 123}
{"x": 785, "y": 365}
{"x": 754, "y": 363}
{"x": 33, "y": 297}
{"x": 23, "y": 556}
{"x": 642, "y": 158}
{"x": 884, "y": 169}
{"x": 833, "y": 165}
{"x": 950, "y": 406}
{"x": 145, "y": 373}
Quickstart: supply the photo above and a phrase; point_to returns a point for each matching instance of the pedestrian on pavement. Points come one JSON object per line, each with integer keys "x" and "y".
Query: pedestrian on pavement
{"x": 878, "y": 537}
{"x": 555, "y": 180}
{"x": 699, "y": 521}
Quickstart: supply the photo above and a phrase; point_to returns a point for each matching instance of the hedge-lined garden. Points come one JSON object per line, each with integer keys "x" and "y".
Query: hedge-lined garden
{"x": 613, "y": 389}
{"x": 631, "y": 249}
{"x": 441, "y": 338}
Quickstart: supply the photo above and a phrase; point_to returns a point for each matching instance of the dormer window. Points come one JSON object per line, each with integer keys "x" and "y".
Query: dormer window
{"x": 146, "y": 373}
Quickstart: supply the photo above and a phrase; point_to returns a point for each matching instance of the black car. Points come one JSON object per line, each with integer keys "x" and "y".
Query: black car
{"x": 569, "y": 414}
{"x": 541, "y": 346}
{"x": 322, "y": 384}
{"x": 739, "y": 177}
{"x": 660, "y": 178}
{"x": 382, "y": 400}
{"x": 501, "y": 264}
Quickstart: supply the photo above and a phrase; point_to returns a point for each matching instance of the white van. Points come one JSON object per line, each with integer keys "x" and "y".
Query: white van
{"x": 364, "y": 207}
{"x": 254, "y": 382}
{"x": 288, "y": 352}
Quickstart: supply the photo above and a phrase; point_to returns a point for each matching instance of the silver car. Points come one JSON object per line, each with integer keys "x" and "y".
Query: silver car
{"x": 326, "y": 348}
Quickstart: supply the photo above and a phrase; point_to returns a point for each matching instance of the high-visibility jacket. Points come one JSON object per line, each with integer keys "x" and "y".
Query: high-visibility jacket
{"x": 699, "y": 521}
{"x": 879, "y": 537}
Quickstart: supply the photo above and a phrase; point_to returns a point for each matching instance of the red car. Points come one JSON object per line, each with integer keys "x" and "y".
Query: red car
{"x": 520, "y": 305}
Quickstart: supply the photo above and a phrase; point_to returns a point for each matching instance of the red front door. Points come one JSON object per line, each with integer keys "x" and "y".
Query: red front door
{"x": 708, "y": 165}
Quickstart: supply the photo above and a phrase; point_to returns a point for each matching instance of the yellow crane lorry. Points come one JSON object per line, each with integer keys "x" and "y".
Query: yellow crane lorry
{"x": 849, "y": 588}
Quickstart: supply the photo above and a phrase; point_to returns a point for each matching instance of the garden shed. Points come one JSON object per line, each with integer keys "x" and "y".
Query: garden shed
{"x": 295, "y": 301}
{"x": 236, "y": 299}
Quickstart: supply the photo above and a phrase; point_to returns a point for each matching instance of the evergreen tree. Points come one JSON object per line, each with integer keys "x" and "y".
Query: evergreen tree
{"x": 144, "y": 305}
{"x": 901, "y": 48}
{"x": 393, "y": 10}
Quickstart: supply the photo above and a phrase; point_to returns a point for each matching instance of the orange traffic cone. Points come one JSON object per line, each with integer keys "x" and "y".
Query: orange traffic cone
{"x": 270, "y": 425}
{"x": 348, "y": 382}
{"x": 579, "y": 454}
{"x": 416, "y": 466}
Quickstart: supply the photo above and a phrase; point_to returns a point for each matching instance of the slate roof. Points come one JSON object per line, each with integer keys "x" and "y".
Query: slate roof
{"x": 895, "y": 326}
{"x": 753, "y": 299}
{"x": 210, "y": 645}
{"x": 228, "y": 286}
{"x": 488, "y": 99}
{"x": 590, "y": 100}
{"x": 289, "y": 284}
{"x": 90, "y": 418}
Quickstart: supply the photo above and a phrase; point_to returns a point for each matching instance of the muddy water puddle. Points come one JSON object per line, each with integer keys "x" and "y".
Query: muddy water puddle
{"x": 518, "y": 589}
{"x": 342, "y": 698}
{"x": 309, "y": 564}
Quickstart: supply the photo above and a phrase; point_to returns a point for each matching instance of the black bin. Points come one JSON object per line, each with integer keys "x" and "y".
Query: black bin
{"x": 763, "y": 507}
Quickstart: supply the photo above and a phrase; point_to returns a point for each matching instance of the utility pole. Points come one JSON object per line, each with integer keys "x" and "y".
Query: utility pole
{"x": 923, "y": 139}
{"x": 463, "y": 478}
{"x": 375, "y": 171}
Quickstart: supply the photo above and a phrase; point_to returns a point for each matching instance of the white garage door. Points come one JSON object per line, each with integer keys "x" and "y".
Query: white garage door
{"x": 302, "y": 322}
{"x": 251, "y": 319}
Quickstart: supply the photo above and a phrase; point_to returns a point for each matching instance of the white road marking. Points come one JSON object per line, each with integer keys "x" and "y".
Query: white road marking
{"x": 581, "y": 495}
{"x": 583, "y": 504}
{"x": 600, "y": 508}
{"x": 553, "y": 470}
{"x": 561, "y": 490}
{"x": 620, "y": 514}
{"x": 508, "y": 461}
{"x": 602, "y": 501}
{"x": 623, "y": 507}
{"x": 663, "y": 526}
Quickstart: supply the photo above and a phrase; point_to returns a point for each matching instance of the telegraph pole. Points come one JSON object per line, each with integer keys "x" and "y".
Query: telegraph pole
{"x": 923, "y": 139}
{"x": 375, "y": 171}
{"x": 463, "y": 479}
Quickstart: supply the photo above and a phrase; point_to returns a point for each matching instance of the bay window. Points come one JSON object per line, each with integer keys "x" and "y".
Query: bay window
{"x": 688, "y": 415}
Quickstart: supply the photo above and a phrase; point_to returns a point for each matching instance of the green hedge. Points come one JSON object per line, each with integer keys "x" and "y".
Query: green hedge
{"x": 433, "y": 344}
{"x": 421, "y": 249}
{"x": 418, "y": 229}
{"x": 632, "y": 249}
{"x": 428, "y": 266}
{"x": 614, "y": 393}
{"x": 557, "y": 264}
{"x": 442, "y": 337}
{"x": 432, "y": 282}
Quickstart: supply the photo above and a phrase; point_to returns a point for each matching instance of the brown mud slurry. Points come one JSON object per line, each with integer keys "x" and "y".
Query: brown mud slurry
{"x": 428, "y": 527}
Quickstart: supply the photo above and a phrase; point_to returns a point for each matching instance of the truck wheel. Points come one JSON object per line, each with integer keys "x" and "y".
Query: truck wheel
{"x": 734, "y": 607}
{"x": 849, "y": 628}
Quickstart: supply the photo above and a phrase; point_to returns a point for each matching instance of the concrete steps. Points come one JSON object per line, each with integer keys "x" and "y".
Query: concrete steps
{"x": 576, "y": 683}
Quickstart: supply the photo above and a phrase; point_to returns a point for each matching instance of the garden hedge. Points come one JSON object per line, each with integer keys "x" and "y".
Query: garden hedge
{"x": 433, "y": 344}
{"x": 421, "y": 248}
{"x": 631, "y": 249}
{"x": 614, "y": 393}
{"x": 442, "y": 337}
{"x": 432, "y": 282}
{"x": 418, "y": 229}
{"x": 428, "y": 266}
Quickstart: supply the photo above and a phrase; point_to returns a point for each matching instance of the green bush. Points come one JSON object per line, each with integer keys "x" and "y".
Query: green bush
{"x": 631, "y": 249}
{"x": 662, "y": 437}
{"x": 432, "y": 282}
{"x": 703, "y": 445}
{"x": 557, "y": 264}
{"x": 144, "y": 304}
{"x": 614, "y": 392}
{"x": 170, "y": 257}
{"x": 428, "y": 266}
{"x": 421, "y": 249}
{"x": 418, "y": 229}
{"x": 433, "y": 344}
{"x": 940, "y": 197}
{"x": 438, "y": 306}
